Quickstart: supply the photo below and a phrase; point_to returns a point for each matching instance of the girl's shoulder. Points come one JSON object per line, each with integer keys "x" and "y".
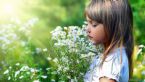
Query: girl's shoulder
{"x": 117, "y": 65}
{"x": 117, "y": 56}
{"x": 112, "y": 68}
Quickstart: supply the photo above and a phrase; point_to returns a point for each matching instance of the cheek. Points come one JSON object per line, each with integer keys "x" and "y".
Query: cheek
{"x": 99, "y": 34}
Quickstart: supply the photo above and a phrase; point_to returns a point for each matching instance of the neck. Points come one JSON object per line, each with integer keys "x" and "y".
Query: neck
{"x": 106, "y": 46}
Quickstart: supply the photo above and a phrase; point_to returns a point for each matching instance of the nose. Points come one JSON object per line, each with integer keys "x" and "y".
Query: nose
{"x": 88, "y": 29}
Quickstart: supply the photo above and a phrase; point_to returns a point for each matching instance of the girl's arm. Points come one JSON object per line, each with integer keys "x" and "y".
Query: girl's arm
{"x": 105, "y": 79}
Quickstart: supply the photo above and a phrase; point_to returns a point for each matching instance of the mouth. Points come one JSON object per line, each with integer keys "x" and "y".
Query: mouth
{"x": 90, "y": 37}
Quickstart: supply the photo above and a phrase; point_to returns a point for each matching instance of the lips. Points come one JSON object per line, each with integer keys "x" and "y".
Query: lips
{"x": 90, "y": 36}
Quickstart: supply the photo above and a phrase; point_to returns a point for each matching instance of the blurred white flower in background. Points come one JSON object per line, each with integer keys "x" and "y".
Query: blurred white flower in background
{"x": 6, "y": 72}
{"x": 36, "y": 81}
{"x": 10, "y": 33}
{"x": 45, "y": 49}
{"x": 44, "y": 76}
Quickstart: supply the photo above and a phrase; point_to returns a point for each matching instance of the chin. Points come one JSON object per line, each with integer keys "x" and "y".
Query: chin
{"x": 96, "y": 43}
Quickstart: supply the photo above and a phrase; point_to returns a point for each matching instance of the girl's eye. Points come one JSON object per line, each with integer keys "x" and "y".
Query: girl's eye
{"x": 94, "y": 25}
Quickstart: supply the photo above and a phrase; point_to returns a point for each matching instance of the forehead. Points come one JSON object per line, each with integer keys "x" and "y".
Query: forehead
{"x": 90, "y": 20}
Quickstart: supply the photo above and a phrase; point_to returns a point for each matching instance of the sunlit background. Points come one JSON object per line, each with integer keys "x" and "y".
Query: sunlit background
{"x": 25, "y": 38}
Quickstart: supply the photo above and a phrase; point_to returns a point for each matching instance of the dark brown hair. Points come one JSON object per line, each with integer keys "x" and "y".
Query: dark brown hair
{"x": 117, "y": 18}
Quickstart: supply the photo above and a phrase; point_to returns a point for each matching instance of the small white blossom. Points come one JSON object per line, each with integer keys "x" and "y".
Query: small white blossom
{"x": 68, "y": 77}
{"x": 6, "y": 72}
{"x": 36, "y": 81}
{"x": 48, "y": 68}
{"x": 9, "y": 78}
{"x": 38, "y": 50}
{"x": 10, "y": 67}
{"x": 16, "y": 73}
{"x": 143, "y": 72}
{"x": 49, "y": 58}
{"x": 55, "y": 60}
{"x": 52, "y": 80}
{"x": 21, "y": 77}
{"x": 45, "y": 49}
{"x": 17, "y": 64}
{"x": 44, "y": 77}
{"x": 24, "y": 68}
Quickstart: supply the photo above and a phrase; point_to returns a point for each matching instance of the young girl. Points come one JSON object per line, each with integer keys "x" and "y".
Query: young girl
{"x": 110, "y": 22}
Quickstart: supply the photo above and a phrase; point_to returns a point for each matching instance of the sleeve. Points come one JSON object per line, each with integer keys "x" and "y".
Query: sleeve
{"x": 112, "y": 68}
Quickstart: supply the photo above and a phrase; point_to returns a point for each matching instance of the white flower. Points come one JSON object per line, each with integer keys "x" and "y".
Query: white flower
{"x": 36, "y": 81}
{"x": 23, "y": 43}
{"x": 9, "y": 78}
{"x": 38, "y": 50}
{"x": 44, "y": 77}
{"x": 49, "y": 58}
{"x": 21, "y": 77}
{"x": 78, "y": 61}
{"x": 68, "y": 77}
{"x": 141, "y": 46}
{"x": 16, "y": 73}
{"x": 48, "y": 68}
{"x": 45, "y": 49}
{"x": 59, "y": 68}
{"x": 10, "y": 67}
{"x": 143, "y": 72}
{"x": 24, "y": 68}
{"x": 33, "y": 70}
{"x": 139, "y": 51}
{"x": 6, "y": 72}
{"x": 65, "y": 28}
{"x": 87, "y": 55}
{"x": 17, "y": 64}
{"x": 52, "y": 80}
{"x": 65, "y": 69}
{"x": 55, "y": 60}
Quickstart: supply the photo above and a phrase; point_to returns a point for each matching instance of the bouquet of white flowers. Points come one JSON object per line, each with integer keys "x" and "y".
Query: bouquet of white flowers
{"x": 77, "y": 51}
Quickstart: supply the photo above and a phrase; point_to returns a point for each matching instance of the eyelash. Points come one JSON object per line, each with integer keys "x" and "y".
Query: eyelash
{"x": 94, "y": 25}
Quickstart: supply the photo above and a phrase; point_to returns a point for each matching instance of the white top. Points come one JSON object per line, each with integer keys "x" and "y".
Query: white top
{"x": 112, "y": 67}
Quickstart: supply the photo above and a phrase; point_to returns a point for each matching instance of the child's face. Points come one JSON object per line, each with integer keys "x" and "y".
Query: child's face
{"x": 95, "y": 31}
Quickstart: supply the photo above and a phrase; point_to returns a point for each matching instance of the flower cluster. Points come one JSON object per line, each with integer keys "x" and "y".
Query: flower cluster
{"x": 75, "y": 39}
{"x": 14, "y": 31}
{"x": 24, "y": 72}
{"x": 76, "y": 51}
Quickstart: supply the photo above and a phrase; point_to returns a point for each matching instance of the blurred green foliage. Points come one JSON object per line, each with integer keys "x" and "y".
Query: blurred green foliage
{"x": 138, "y": 8}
